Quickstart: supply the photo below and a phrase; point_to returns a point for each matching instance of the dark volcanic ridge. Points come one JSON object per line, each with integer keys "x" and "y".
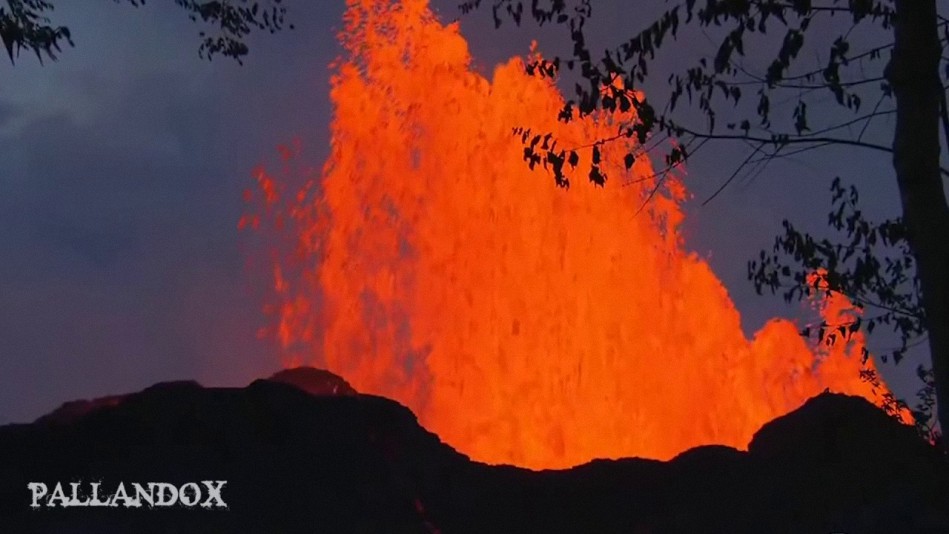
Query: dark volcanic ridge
{"x": 302, "y": 451}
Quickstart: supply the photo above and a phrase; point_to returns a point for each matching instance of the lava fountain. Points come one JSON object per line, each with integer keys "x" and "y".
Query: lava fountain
{"x": 522, "y": 323}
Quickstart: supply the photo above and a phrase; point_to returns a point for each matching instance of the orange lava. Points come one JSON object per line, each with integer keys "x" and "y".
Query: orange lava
{"x": 522, "y": 323}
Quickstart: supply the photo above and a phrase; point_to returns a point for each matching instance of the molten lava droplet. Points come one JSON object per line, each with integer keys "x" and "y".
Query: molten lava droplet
{"x": 523, "y": 323}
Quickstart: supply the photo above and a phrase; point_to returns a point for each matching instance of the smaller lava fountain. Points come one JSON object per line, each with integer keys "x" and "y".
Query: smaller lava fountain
{"x": 523, "y": 323}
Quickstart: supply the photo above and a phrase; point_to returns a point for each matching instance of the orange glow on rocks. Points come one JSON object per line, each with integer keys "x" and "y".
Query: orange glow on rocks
{"x": 522, "y": 323}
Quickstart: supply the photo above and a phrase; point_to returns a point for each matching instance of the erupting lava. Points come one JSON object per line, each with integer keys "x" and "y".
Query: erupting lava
{"x": 523, "y": 323}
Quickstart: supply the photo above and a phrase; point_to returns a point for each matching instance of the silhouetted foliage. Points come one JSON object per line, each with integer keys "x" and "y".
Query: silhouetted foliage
{"x": 873, "y": 265}
{"x": 26, "y": 24}
{"x": 894, "y": 267}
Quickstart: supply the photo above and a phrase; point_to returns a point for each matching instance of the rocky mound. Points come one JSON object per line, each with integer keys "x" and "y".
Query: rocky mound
{"x": 314, "y": 381}
{"x": 339, "y": 461}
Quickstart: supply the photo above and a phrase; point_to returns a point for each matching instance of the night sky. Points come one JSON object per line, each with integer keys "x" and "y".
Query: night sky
{"x": 124, "y": 163}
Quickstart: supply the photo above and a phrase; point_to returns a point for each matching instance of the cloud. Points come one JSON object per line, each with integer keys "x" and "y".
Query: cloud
{"x": 121, "y": 253}
{"x": 124, "y": 164}
{"x": 8, "y": 112}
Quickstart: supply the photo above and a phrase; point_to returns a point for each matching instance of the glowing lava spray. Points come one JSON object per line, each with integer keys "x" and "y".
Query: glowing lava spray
{"x": 523, "y": 323}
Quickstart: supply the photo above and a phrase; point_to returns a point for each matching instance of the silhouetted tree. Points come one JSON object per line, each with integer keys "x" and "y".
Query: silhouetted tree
{"x": 26, "y": 24}
{"x": 899, "y": 268}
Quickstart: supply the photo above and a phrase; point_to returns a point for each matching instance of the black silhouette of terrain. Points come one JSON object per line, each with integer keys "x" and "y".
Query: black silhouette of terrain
{"x": 333, "y": 460}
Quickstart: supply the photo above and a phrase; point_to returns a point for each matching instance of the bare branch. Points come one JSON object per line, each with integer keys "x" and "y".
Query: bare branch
{"x": 733, "y": 174}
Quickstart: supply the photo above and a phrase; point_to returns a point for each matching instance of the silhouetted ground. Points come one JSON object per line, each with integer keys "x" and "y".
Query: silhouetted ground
{"x": 338, "y": 461}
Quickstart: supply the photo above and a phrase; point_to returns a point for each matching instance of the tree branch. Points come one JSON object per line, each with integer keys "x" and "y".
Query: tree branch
{"x": 724, "y": 184}
{"x": 794, "y": 141}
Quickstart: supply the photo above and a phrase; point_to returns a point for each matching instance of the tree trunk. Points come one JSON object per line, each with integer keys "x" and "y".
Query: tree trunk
{"x": 914, "y": 76}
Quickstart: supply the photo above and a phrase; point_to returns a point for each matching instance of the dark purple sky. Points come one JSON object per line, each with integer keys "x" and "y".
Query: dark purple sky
{"x": 123, "y": 166}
